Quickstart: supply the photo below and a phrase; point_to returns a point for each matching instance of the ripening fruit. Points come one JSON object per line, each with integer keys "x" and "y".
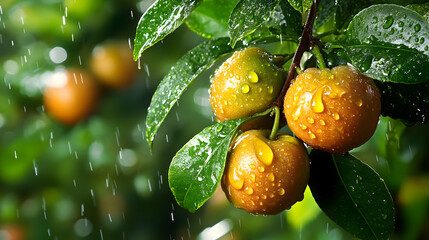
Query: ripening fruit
{"x": 265, "y": 176}
{"x": 245, "y": 84}
{"x": 112, "y": 64}
{"x": 332, "y": 110}
{"x": 70, "y": 96}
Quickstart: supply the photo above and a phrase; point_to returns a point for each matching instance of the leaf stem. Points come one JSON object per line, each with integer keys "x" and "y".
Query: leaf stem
{"x": 304, "y": 45}
{"x": 275, "y": 128}
{"x": 319, "y": 57}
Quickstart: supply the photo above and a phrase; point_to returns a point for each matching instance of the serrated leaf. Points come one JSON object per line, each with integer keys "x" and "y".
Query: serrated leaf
{"x": 247, "y": 16}
{"x": 352, "y": 195}
{"x": 301, "y": 5}
{"x": 210, "y": 19}
{"x": 389, "y": 43}
{"x": 181, "y": 75}
{"x": 162, "y": 18}
{"x": 197, "y": 168}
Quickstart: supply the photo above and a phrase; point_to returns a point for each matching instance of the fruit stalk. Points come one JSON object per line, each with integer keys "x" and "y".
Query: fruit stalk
{"x": 303, "y": 46}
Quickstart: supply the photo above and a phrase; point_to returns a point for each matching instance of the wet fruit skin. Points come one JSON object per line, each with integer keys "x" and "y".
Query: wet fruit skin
{"x": 70, "y": 96}
{"x": 245, "y": 84}
{"x": 332, "y": 110}
{"x": 265, "y": 176}
{"x": 112, "y": 64}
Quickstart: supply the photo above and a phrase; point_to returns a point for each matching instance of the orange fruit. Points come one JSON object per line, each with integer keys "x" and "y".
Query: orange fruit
{"x": 70, "y": 96}
{"x": 332, "y": 110}
{"x": 245, "y": 84}
{"x": 112, "y": 64}
{"x": 265, "y": 176}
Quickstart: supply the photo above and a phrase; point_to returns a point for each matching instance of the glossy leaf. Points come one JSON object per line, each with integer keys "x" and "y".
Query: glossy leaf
{"x": 301, "y": 5}
{"x": 285, "y": 21}
{"x": 210, "y": 19}
{"x": 247, "y": 16}
{"x": 181, "y": 75}
{"x": 422, "y": 9}
{"x": 162, "y": 18}
{"x": 352, "y": 194}
{"x": 197, "y": 168}
{"x": 408, "y": 102}
{"x": 389, "y": 43}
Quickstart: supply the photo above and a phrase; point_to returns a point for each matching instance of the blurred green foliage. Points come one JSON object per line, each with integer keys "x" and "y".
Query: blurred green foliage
{"x": 99, "y": 180}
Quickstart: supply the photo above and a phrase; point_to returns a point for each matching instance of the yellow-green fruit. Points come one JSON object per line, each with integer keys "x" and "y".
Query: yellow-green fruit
{"x": 245, "y": 84}
{"x": 265, "y": 176}
{"x": 332, "y": 110}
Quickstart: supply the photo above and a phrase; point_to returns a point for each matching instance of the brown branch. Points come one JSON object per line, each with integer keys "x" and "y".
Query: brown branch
{"x": 304, "y": 45}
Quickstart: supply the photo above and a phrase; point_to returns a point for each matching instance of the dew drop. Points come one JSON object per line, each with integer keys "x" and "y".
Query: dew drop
{"x": 249, "y": 190}
{"x": 401, "y": 24}
{"x": 270, "y": 89}
{"x": 245, "y": 88}
{"x": 310, "y": 120}
{"x": 271, "y": 177}
{"x": 317, "y": 103}
{"x": 263, "y": 151}
{"x": 236, "y": 181}
{"x": 261, "y": 169}
{"x": 281, "y": 191}
{"x": 388, "y": 22}
{"x": 263, "y": 196}
{"x": 417, "y": 27}
{"x": 253, "y": 77}
{"x": 252, "y": 177}
{"x": 322, "y": 122}
{"x": 303, "y": 127}
{"x": 359, "y": 103}
{"x": 312, "y": 136}
{"x": 336, "y": 116}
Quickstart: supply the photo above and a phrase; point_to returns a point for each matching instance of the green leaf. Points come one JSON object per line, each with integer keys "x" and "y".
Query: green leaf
{"x": 181, "y": 75}
{"x": 197, "y": 168}
{"x": 422, "y": 9}
{"x": 162, "y": 18}
{"x": 210, "y": 19}
{"x": 247, "y": 16}
{"x": 408, "y": 102}
{"x": 389, "y": 43}
{"x": 352, "y": 195}
{"x": 285, "y": 21}
{"x": 301, "y": 5}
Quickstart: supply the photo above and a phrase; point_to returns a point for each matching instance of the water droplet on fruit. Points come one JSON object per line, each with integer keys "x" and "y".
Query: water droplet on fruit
{"x": 236, "y": 181}
{"x": 261, "y": 169}
{"x": 252, "y": 177}
{"x": 303, "y": 127}
{"x": 249, "y": 190}
{"x": 263, "y": 196}
{"x": 253, "y": 77}
{"x": 245, "y": 88}
{"x": 388, "y": 22}
{"x": 263, "y": 151}
{"x": 417, "y": 27}
{"x": 317, "y": 102}
{"x": 271, "y": 177}
{"x": 336, "y": 116}
{"x": 281, "y": 191}
{"x": 312, "y": 136}
{"x": 270, "y": 89}
{"x": 359, "y": 103}
{"x": 310, "y": 120}
{"x": 322, "y": 122}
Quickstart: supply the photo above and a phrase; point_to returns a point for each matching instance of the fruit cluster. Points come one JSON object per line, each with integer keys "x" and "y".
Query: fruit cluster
{"x": 333, "y": 110}
{"x": 71, "y": 95}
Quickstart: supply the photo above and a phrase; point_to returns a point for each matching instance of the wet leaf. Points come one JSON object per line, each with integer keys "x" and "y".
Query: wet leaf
{"x": 408, "y": 102}
{"x": 181, "y": 75}
{"x": 210, "y": 19}
{"x": 247, "y": 16}
{"x": 352, "y": 194}
{"x": 389, "y": 43}
{"x": 197, "y": 168}
{"x": 422, "y": 9}
{"x": 301, "y": 5}
{"x": 285, "y": 21}
{"x": 162, "y": 18}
